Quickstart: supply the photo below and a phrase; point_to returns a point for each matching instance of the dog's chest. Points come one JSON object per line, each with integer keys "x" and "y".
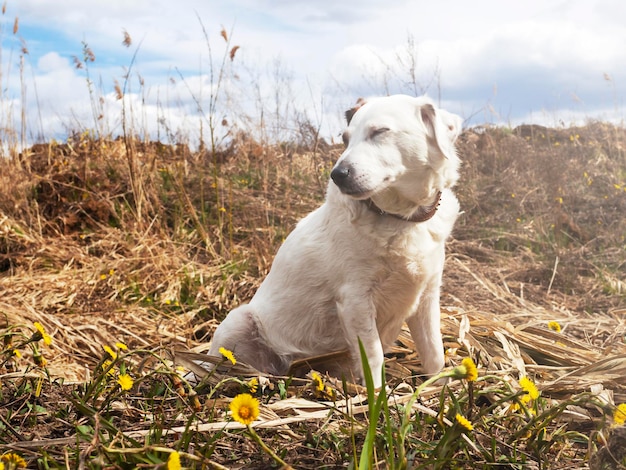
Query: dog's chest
{"x": 406, "y": 264}
{"x": 412, "y": 254}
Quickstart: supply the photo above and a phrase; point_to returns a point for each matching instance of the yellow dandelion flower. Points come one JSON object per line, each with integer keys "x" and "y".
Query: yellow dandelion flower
{"x": 17, "y": 353}
{"x": 244, "y": 408}
{"x": 222, "y": 209}
{"x": 467, "y": 370}
{"x": 529, "y": 387}
{"x": 228, "y": 355}
{"x": 329, "y": 393}
{"x": 253, "y": 385}
{"x": 125, "y": 381}
{"x": 39, "y": 327}
{"x": 103, "y": 276}
{"x": 619, "y": 415}
{"x": 525, "y": 400}
{"x": 464, "y": 422}
{"x": 554, "y": 326}
{"x": 173, "y": 461}
{"x": 106, "y": 365}
{"x": 47, "y": 339}
{"x": 472, "y": 370}
{"x": 112, "y": 354}
{"x": 121, "y": 346}
{"x": 13, "y": 460}
{"x": 317, "y": 382}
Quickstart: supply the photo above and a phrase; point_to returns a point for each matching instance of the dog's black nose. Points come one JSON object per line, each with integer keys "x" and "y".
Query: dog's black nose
{"x": 340, "y": 174}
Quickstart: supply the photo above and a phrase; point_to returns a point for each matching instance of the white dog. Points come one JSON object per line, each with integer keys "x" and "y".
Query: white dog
{"x": 370, "y": 258}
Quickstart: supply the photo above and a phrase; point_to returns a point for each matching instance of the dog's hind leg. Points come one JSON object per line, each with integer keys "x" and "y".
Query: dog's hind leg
{"x": 240, "y": 334}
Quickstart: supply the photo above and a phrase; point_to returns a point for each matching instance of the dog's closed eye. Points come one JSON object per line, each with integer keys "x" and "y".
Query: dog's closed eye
{"x": 378, "y": 131}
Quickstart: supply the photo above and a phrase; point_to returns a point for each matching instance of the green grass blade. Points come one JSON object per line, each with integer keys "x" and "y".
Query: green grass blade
{"x": 374, "y": 406}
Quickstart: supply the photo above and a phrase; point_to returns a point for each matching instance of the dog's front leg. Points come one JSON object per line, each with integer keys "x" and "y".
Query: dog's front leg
{"x": 425, "y": 327}
{"x": 358, "y": 320}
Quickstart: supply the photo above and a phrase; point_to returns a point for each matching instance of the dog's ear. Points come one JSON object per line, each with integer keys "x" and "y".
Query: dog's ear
{"x": 453, "y": 122}
{"x": 350, "y": 113}
{"x": 442, "y": 128}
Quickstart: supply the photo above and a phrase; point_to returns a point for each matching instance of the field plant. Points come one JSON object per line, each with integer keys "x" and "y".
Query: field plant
{"x": 119, "y": 256}
{"x": 137, "y": 410}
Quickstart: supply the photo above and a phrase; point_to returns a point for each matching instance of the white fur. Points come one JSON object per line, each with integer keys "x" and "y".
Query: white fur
{"x": 347, "y": 272}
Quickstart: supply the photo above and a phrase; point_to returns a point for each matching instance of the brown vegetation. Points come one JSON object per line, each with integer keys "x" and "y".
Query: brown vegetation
{"x": 102, "y": 241}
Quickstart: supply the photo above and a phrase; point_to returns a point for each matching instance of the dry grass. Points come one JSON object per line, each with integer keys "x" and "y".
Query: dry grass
{"x": 154, "y": 248}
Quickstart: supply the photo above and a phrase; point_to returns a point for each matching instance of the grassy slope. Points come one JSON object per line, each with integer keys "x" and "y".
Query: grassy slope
{"x": 152, "y": 245}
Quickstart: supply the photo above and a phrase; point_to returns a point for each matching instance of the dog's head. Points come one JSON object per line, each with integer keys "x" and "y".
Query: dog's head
{"x": 398, "y": 145}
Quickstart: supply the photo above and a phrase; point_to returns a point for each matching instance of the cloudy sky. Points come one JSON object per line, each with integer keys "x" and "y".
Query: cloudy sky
{"x": 554, "y": 62}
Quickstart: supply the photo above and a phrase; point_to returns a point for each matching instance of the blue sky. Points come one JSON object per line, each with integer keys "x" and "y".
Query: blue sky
{"x": 553, "y": 62}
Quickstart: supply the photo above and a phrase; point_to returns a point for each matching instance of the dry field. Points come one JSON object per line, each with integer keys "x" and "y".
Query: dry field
{"x": 120, "y": 241}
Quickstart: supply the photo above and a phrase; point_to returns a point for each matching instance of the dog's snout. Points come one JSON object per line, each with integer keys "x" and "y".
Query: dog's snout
{"x": 339, "y": 174}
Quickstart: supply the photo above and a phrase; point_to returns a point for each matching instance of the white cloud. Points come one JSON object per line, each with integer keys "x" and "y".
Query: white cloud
{"x": 544, "y": 57}
{"x": 519, "y": 58}
{"x": 51, "y": 62}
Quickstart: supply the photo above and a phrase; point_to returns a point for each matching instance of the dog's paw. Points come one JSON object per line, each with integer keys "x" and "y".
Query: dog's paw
{"x": 198, "y": 370}
{"x": 192, "y": 379}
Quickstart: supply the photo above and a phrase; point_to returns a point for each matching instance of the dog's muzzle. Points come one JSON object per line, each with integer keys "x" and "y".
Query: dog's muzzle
{"x": 350, "y": 182}
{"x": 340, "y": 175}
{"x": 343, "y": 176}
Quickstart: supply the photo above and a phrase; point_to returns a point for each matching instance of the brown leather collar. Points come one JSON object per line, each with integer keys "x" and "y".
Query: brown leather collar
{"x": 422, "y": 214}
